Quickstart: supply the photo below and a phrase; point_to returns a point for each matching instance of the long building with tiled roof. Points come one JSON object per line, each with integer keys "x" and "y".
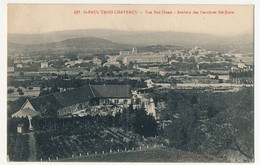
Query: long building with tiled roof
{"x": 70, "y": 101}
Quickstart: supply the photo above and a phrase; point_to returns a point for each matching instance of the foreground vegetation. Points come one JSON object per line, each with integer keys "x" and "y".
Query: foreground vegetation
{"x": 211, "y": 122}
{"x": 201, "y": 122}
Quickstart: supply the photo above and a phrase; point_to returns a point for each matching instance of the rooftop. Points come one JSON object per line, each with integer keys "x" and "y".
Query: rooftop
{"x": 53, "y": 102}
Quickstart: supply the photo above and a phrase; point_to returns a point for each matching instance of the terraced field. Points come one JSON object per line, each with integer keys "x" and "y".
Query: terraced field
{"x": 91, "y": 142}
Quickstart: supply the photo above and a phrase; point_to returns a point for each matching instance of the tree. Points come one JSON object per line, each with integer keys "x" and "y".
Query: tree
{"x": 220, "y": 81}
{"x": 44, "y": 92}
{"x": 42, "y": 87}
{"x": 20, "y": 91}
{"x": 21, "y": 74}
{"x": 71, "y": 56}
{"x": 229, "y": 124}
{"x": 180, "y": 59}
{"x": 30, "y": 88}
{"x": 80, "y": 73}
{"x": 144, "y": 124}
{"x": 10, "y": 91}
{"x": 24, "y": 85}
{"x": 65, "y": 76}
{"x": 131, "y": 64}
{"x": 240, "y": 114}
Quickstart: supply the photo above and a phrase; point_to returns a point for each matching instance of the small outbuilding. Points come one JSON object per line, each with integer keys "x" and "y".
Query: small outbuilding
{"x": 20, "y": 128}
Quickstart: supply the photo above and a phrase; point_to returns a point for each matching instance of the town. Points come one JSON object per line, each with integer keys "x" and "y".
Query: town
{"x": 122, "y": 100}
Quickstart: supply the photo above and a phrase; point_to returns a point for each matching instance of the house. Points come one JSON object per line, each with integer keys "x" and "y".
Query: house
{"x": 112, "y": 63}
{"x": 27, "y": 61}
{"x": 19, "y": 65}
{"x": 154, "y": 69}
{"x": 69, "y": 63}
{"x": 80, "y": 61}
{"x": 145, "y": 59}
{"x": 10, "y": 69}
{"x": 17, "y": 61}
{"x": 241, "y": 65}
{"x": 44, "y": 65}
{"x": 78, "y": 99}
{"x": 211, "y": 76}
{"x": 125, "y": 53}
{"x": 97, "y": 62}
{"x": 20, "y": 128}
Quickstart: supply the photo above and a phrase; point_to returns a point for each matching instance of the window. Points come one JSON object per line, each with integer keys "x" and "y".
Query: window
{"x": 107, "y": 101}
{"x": 125, "y": 101}
{"x": 116, "y": 101}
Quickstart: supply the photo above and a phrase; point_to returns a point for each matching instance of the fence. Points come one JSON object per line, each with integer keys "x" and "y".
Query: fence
{"x": 88, "y": 154}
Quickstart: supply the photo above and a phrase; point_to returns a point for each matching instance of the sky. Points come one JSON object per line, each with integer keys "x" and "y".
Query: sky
{"x": 24, "y": 18}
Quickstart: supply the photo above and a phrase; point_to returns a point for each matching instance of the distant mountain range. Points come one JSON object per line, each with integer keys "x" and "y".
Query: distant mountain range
{"x": 83, "y": 42}
{"x": 112, "y": 37}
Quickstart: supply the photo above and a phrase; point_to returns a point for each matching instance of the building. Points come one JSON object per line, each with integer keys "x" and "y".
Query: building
{"x": 97, "y": 62}
{"x": 10, "y": 69}
{"x": 112, "y": 63}
{"x": 17, "y": 61}
{"x": 20, "y": 128}
{"x": 143, "y": 58}
{"x": 211, "y": 76}
{"x": 19, "y": 66}
{"x": 121, "y": 53}
{"x": 134, "y": 51}
{"x": 44, "y": 65}
{"x": 80, "y": 61}
{"x": 69, "y": 63}
{"x": 154, "y": 69}
{"x": 145, "y": 100}
{"x": 27, "y": 61}
{"x": 241, "y": 65}
{"x": 173, "y": 61}
{"x": 78, "y": 99}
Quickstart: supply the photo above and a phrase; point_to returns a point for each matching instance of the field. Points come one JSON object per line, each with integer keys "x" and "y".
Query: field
{"x": 27, "y": 93}
{"x": 49, "y": 145}
{"x": 90, "y": 142}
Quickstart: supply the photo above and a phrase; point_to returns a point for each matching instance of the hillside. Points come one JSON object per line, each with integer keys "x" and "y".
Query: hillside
{"x": 183, "y": 39}
{"x": 73, "y": 43}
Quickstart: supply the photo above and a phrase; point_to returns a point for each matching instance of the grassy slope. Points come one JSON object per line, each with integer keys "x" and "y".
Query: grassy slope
{"x": 151, "y": 155}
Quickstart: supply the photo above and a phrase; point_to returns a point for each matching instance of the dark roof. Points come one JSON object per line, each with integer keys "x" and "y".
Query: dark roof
{"x": 74, "y": 96}
{"x": 55, "y": 101}
{"x": 45, "y": 102}
{"x": 112, "y": 91}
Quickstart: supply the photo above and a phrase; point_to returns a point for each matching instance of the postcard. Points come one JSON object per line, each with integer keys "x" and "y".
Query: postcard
{"x": 130, "y": 83}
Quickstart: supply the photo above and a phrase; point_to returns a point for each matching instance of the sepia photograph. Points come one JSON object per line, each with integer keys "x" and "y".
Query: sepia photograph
{"x": 130, "y": 83}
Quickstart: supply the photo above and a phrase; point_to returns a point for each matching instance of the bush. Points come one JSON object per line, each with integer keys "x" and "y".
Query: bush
{"x": 10, "y": 91}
